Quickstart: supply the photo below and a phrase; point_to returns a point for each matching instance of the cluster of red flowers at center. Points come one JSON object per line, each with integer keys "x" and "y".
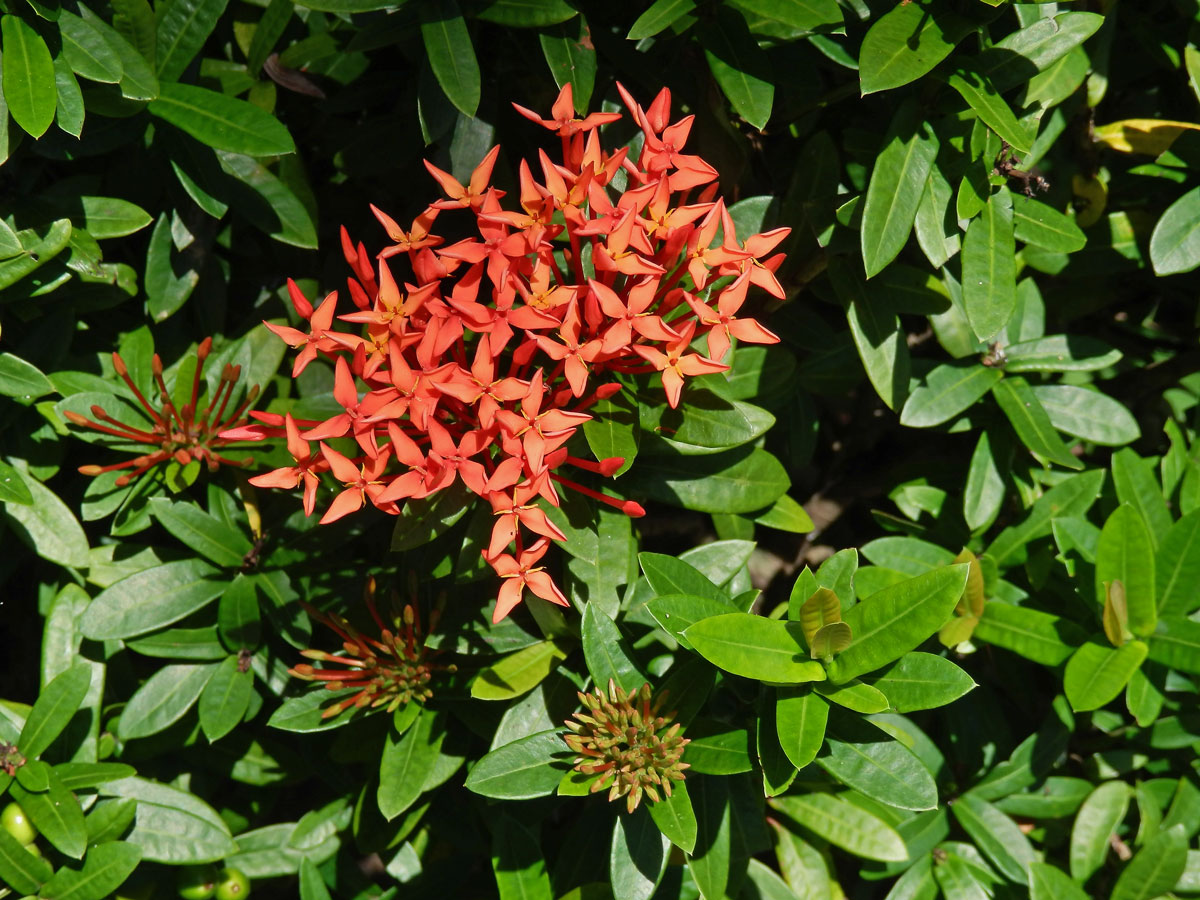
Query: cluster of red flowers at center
{"x": 480, "y": 368}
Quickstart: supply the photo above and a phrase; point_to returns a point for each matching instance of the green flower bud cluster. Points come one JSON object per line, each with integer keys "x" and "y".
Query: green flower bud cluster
{"x": 624, "y": 738}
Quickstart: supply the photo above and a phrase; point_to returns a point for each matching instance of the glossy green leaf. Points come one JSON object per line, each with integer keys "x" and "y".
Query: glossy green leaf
{"x": 572, "y": 60}
{"x": 1047, "y": 882}
{"x": 800, "y": 16}
{"x": 1156, "y": 868}
{"x": 866, "y": 759}
{"x": 517, "y": 673}
{"x": 983, "y": 494}
{"x": 56, "y": 814}
{"x": 238, "y": 619}
{"x": 710, "y": 862}
{"x": 675, "y": 817}
{"x": 104, "y": 869}
{"x": 608, "y": 654}
{"x": 225, "y": 699}
{"x": 845, "y": 825}
{"x": 172, "y": 826}
{"x": 163, "y": 699}
{"x": 800, "y": 720}
{"x": 1072, "y": 496}
{"x": 735, "y": 481}
{"x": 407, "y": 762}
{"x": 20, "y": 869}
{"x": 28, "y": 76}
{"x": 518, "y": 862}
{"x": 1125, "y": 553}
{"x": 1176, "y": 643}
{"x": 718, "y": 749}
{"x": 712, "y": 422}
{"x": 312, "y": 886}
{"x": 273, "y": 207}
{"x": 905, "y": 43}
{"x": 1043, "y": 226}
{"x": 87, "y": 52}
{"x": 878, "y": 335}
{"x": 76, "y": 775}
{"x": 739, "y": 66}
{"x": 923, "y": 681}
{"x": 1021, "y": 54}
{"x": 998, "y": 836}
{"x": 1031, "y": 422}
{"x": 660, "y": 15}
{"x": 1136, "y": 484}
{"x": 989, "y": 284}
{"x": 677, "y": 612}
{"x": 427, "y": 518}
{"x": 1038, "y": 636}
{"x": 221, "y": 122}
{"x": 637, "y": 856}
{"x": 49, "y": 526}
{"x": 1177, "y": 567}
{"x": 981, "y": 96}
{"x": 520, "y": 770}
{"x": 959, "y": 880}
{"x": 1096, "y": 822}
{"x": 854, "y": 695}
{"x": 450, "y": 53}
{"x": 1096, "y": 674}
{"x": 948, "y": 390}
{"x": 897, "y": 619}
{"x": 56, "y": 704}
{"x": 183, "y": 27}
{"x": 1175, "y": 243}
{"x": 527, "y": 13}
{"x": 755, "y": 647}
{"x": 151, "y": 599}
{"x": 1087, "y": 414}
{"x": 1060, "y": 353}
{"x": 671, "y": 575}
{"x": 208, "y": 536}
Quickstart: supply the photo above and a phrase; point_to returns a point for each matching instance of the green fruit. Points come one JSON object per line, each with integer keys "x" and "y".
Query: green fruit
{"x": 34, "y": 849}
{"x": 17, "y": 824}
{"x": 197, "y": 882}
{"x": 232, "y": 885}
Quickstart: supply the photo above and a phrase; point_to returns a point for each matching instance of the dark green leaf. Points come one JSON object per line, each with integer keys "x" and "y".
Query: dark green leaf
{"x": 526, "y": 13}
{"x": 637, "y": 856}
{"x": 407, "y": 762}
{"x": 1087, "y": 414}
{"x": 904, "y": 44}
{"x": 1095, "y": 824}
{"x": 1177, "y": 567}
{"x": 1019, "y": 55}
{"x": 739, "y": 66}
{"x": 521, "y": 770}
{"x": 163, "y": 699}
{"x": 735, "y": 481}
{"x": 518, "y": 862}
{"x": 450, "y": 53}
{"x": 870, "y": 761}
{"x": 1156, "y": 868}
{"x": 103, "y": 871}
{"x": 948, "y": 390}
{"x": 28, "y": 76}
{"x": 660, "y": 15}
{"x": 675, "y": 817}
{"x": 572, "y": 60}
{"x": 755, "y": 647}
{"x": 1038, "y": 224}
{"x": 982, "y": 97}
{"x": 800, "y": 719}
{"x": 183, "y": 27}
{"x": 150, "y": 599}
{"x": 225, "y": 699}
{"x": 877, "y": 333}
{"x": 1031, "y": 422}
{"x": 1175, "y": 243}
{"x": 173, "y": 826}
{"x": 608, "y": 654}
{"x": 208, "y": 536}
{"x": 56, "y": 814}
{"x": 221, "y": 122}
{"x": 1176, "y": 643}
{"x": 998, "y": 836}
{"x": 1125, "y": 553}
{"x": 20, "y": 869}
{"x": 57, "y": 702}
{"x": 989, "y": 283}
{"x": 87, "y": 52}
{"x": 845, "y": 825}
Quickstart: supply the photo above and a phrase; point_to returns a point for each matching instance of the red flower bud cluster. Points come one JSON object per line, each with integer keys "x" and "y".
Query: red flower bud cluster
{"x": 479, "y": 367}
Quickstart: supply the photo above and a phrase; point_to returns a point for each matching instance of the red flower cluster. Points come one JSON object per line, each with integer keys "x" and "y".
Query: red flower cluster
{"x": 481, "y": 367}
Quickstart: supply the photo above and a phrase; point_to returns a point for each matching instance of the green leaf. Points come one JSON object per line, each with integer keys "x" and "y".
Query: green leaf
{"x": 1073, "y": 496}
{"x": 1125, "y": 553}
{"x": 1096, "y": 674}
{"x": 111, "y": 217}
{"x": 1156, "y": 868}
{"x": 800, "y": 16}
{"x": 527, "y": 13}
{"x": 923, "y": 681}
{"x": 1134, "y": 480}
{"x": 518, "y": 863}
{"x": 69, "y": 113}
{"x": 678, "y": 612}
{"x": 270, "y": 28}
{"x": 1031, "y": 422}
{"x": 13, "y": 488}
{"x": 800, "y": 720}
{"x": 517, "y": 673}
{"x": 1177, "y": 567}
{"x": 225, "y": 699}
{"x": 904, "y": 44}
{"x": 104, "y": 869}
{"x": 613, "y": 429}
{"x": 163, "y": 699}
{"x": 960, "y": 880}
{"x": 878, "y": 335}
{"x": 180, "y": 643}
{"x": 451, "y": 55}
{"x": 854, "y": 695}
{"x": 238, "y": 620}
{"x": 660, "y": 15}
{"x": 87, "y": 52}
{"x": 572, "y": 60}
{"x": 208, "y": 536}
{"x": 28, "y": 76}
{"x": 1087, "y": 414}
{"x": 275, "y": 208}
{"x": 708, "y": 422}
{"x": 173, "y": 826}
{"x": 57, "y": 702}
{"x": 845, "y": 825}
{"x": 150, "y": 599}
{"x": 989, "y": 282}
{"x": 862, "y": 757}
{"x": 183, "y": 27}
{"x": 608, "y": 654}
{"x": 739, "y": 66}
{"x": 982, "y": 97}
{"x": 423, "y": 520}
{"x": 407, "y": 762}
{"x": 894, "y": 192}
{"x": 675, "y": 817}
{"x": 221, "y": 122}
{"x": 717, "y": 749}
{"x": 984, "y": 491}
{"x": 637, "y": 856}
{"x": 998, "y": 836}
{"x": 20, "y": 869}
{"x": 49, "y": 526}
{"x": 1043, "y": 226}
{"x": 1174, "y": 245}
{"x": 1060, "y": 353}
{"x": 312, "y": 886}
{"x": 709, "y": 863}
{"x": 303, "y": 714}
{"x": 743, "y": 480}
{"x": 521, "y": 770}
{"x": 22, "y": 379}
{"x": 755, "y": 647}
{"x": 1176, "y": 644}
{"x": 78, "y": 775}
{"x": 1021, "y": 54}
{"x": 896, "y": 620}
{"x": 948, "y": 390}
{"x": 671, "y": 575}
{"x": 56, "y": 814}
{"x": 1047, "y": 882}
{"x": 1035, "y": 635}
{"x": 1097, "y": 820}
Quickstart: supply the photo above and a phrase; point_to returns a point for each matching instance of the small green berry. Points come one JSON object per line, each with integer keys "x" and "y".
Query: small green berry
{"x": 17, "y": 824}
{"x": 232, "y": 885}
{"x": 197, "y": 882}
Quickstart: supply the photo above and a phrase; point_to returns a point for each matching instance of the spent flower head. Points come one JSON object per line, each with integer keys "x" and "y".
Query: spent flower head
{"x": 624, "y": 738}
{"x": 392, "y": 670}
